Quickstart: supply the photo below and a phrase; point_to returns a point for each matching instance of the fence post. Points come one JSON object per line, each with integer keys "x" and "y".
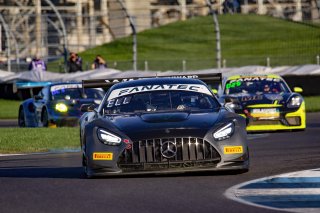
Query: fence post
{"x": 6, "y": 29}
{"x": 184, "y": 65}
{"x": 134, "y": 34}
{"x": 217, "y": 32}
{"x": 115, "y": 64}
{"x": 224, "y": 63}
{"x": 268, "y": 62}
{"x": 318, "y": 59}
{"x": 146, "y": 67}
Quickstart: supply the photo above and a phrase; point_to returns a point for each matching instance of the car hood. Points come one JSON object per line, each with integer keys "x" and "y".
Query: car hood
{"x": 160, "y": 125}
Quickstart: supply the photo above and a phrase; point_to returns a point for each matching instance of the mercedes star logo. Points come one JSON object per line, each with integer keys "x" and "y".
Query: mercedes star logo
{"x": 168, "y": 149}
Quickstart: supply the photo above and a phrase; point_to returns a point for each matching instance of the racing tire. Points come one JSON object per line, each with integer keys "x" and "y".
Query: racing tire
{"x": 45, "y": 118}
{"x": 21, "y": 118}
{"x": 85, "y": 167}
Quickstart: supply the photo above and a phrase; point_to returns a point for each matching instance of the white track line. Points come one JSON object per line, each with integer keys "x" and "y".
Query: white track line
{"x": 5, "y": 155}
{"x": 290, "y": 192}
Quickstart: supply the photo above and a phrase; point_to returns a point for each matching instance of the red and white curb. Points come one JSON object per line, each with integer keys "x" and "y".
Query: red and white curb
{"x": 290, "y": 192}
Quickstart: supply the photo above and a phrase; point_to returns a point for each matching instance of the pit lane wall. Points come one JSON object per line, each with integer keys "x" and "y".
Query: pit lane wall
{"x": 305, "y": 76}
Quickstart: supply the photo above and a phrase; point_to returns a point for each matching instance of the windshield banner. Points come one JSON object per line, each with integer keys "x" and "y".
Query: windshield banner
{"x": 65, "y": 86}
{"x": 147, "y": 88}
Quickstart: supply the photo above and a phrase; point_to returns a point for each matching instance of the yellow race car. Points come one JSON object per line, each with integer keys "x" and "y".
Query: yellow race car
{"x": 266, "y": 101}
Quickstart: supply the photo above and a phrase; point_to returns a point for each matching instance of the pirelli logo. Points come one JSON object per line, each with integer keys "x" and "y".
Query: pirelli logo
{"x": 232, "y": 150}
{"x": 102, "y": 156}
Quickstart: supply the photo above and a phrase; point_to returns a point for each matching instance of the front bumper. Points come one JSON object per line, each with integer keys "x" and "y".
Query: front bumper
{"x": 144, "y": 157}
{"x": 287, "y": 121}
{"x": 105, "y": 172}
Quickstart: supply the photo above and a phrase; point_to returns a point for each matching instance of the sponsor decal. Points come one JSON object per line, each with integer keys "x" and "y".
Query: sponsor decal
{"x": 255, "y": 78}
{"x": 102, "y": 156}
{"x": 65, "y": 86}
{"x": 233, "y": 84}
{"x": 252, "y": 98}
{"x": 232, "y": 150}
{"x": 269, "y": 113}
{"x": 147, "y": 88}
{"x": 128, "y": 144}
{"x": 274, "y": 97}
{"x": 112, "y": 81}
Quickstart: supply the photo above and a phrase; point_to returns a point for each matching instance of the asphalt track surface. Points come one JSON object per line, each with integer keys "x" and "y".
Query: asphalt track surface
{"x": 9, "y": 123}
{"x": 55, "y": 182}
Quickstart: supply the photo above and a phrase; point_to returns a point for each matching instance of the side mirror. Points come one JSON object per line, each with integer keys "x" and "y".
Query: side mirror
{"x": 214, "y": 91}
{"x": 298, "y": 89}
{"x": 87, "y": 107}
{"x": 37, "y": 97}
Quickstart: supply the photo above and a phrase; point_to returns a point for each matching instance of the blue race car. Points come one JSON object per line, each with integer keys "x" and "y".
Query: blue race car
{"x": 58, "y": 104}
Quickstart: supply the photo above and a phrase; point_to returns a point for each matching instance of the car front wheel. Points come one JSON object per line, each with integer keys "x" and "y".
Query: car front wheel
{"x": 21, "y": 118}
{"x": 45, "y": 118}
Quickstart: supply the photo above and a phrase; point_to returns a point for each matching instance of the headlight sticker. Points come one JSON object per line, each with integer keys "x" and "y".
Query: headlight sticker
{"x": 232, "y": 150}
{"x": 102, "y": 156}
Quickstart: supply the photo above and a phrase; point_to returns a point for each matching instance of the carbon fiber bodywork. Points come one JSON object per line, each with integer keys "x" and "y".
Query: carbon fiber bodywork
{"x": 144, "y": 136}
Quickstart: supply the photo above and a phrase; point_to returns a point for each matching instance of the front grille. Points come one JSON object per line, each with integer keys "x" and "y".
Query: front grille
{"x": 190, "y": 153}
{"x": 290, "y": 121}
{"x": 264, "y": 122}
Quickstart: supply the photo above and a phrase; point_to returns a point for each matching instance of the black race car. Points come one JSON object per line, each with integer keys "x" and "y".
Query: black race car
{"x": 57, "y": 104}
{"x": 161, "y": 125}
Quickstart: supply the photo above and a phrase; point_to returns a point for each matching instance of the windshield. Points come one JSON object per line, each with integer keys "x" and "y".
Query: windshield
{"x": 254, "y": 86}
{"x": 160, "y": 101}
{"x": 75, "y": 92}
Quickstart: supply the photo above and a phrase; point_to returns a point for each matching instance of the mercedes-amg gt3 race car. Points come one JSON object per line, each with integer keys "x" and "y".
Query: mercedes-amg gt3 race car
{"x": 161, "y": 125}
{"x": 57, "y": 105}
{"x": 266, "y": 101}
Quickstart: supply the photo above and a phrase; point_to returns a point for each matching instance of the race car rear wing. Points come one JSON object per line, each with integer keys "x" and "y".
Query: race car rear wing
{"x": 209, "y": 79}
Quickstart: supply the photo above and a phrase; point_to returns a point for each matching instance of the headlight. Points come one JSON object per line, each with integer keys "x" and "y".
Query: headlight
{"x": 224, "y": 132}
{"x": 108, "y": 138}
{"x": 61, "y": 107}
{"x": 294, "y": 102}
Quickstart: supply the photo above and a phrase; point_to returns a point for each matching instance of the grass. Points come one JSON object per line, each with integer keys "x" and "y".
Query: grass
{"x": 245, "y": 40}
{"x": 9, "y": 108}
{"x": 28, "y": 140}
{"x": 312, "y": 103}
